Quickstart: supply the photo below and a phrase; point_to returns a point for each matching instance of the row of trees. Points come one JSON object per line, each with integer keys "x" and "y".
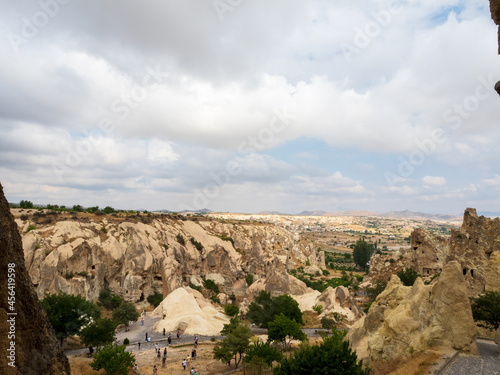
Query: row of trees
{"x": 78, "y": 208}
{"x": 282, "y": 318}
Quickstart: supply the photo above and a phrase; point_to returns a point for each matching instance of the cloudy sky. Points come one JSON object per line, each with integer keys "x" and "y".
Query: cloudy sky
{"x": 244, "y": 106}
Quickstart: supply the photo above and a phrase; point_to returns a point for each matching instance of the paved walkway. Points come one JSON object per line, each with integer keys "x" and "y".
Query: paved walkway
{"x": 486, "y": 364}
{"x": 137, "y": 333}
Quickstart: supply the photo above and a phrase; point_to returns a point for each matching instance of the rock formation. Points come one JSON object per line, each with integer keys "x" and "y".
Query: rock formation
{"x": 186, "y": 309}
{"x": 334, "y": 300}
{"x": 135, "y": 256}
{"x": 495, "y": 16}
{"x": 28, "y": 343}
{"x": 404, "y": 320}
{"x": 476, "y": 247}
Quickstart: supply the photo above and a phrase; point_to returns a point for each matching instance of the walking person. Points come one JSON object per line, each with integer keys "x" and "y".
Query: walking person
{"x": 146, "y": 336}
{"x": 169, "y": 339}
{"x": 184, "y": 363}
{"x": 192, "y": 370}
{"x": 164, "y": 331}
{"x": 155, "y": 370}
{"x": 139, "y": 345}
{"x": 165, "y": 352}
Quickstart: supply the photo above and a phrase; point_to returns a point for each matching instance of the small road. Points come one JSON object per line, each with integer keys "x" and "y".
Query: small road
{"x": 136, "y": 333}
{"x": 488, "y": 363}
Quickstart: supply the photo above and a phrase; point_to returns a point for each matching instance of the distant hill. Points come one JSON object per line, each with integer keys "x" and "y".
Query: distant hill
{"x": 411, "y": 214}
{"x": 407, "y": 214}
{"x": 271, "y": 213}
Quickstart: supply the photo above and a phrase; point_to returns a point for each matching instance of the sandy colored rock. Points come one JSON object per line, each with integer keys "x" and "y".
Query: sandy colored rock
{"x": 403, "y": 320}
{"x": 37, "y": 351}
{"x": 476, "y": 247}
{"x": 137, "y": 256}
{"x": 193, "y": 316}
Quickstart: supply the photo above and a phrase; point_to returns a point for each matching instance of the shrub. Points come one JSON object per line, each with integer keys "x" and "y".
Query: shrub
{"x": 327, "y": 323}
{"x": 24, "y": 217}
{"x": 486, "y": 310}
{"x": 408, "y": 276}
{"x": 126, "y": 341}
{"x": 69, "y": 275}
{"x": 325, "y": 272}
{"x": 30, "y": 228}
{"x": 249, "y": 279}
{"x": 108, "y": 300}
{"x": 155, "y": 299}
{"x": 196, "y": 244}
{"x": 104, "y": 230}
{"x": 318, "y": 308}
{"x": 231, "y": 310}
{"x": 210, "y": 284}
{"x": 180, "y": 239}
{"x": 195, "y": 287}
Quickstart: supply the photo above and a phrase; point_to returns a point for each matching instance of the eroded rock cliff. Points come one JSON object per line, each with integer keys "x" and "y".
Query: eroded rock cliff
{"x": 405, "y": 320}
{"x": 475, "y": 246}
{"x": 134, "y": 257}
{"x": 28, "y": 343}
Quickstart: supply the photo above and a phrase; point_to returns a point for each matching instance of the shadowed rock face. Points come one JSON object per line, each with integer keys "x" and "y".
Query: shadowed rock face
{"x": 37, "y": 350}
{"x": 495, "y": 15}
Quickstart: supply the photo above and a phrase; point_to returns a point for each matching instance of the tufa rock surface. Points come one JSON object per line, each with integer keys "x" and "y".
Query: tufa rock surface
{"x": 136, "y": 256}
{"x": 476, "y": 248}
{"x": 37, "y": 351}
{"x": 404, "y": 320}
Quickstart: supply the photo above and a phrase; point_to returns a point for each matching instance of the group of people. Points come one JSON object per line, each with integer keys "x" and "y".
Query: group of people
{"x": 158, "y": 350}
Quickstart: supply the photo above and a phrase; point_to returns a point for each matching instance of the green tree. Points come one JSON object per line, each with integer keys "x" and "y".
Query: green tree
{"x": 155, "y": 299}
{"x": 235, "y": 343}
{"x": 408, "y": 276}
{"x": 26, "y": 204}
{"x": 331, "y": 357}
{"x": 125, "y": 313}
{"x": 92, "y": 210}
{"x": 68, "y": 313}
{"x": 283, "y": 328}
{"x": 108, "y": 210}
{"x": 108, "y": 300}
{"x": 77, "y": 208}
{"x": 486, "y": 310}
{"x": 373, "y": 292}
{"x": 260, "y": 356}
{"x": 249, "y": 279}
{"x": 264, "y": 308}
{"x": 98, "y": 333}
{"x": 113, "y": 359}
{"x": 231, "y": 310}
{"x": 362, "y": 252}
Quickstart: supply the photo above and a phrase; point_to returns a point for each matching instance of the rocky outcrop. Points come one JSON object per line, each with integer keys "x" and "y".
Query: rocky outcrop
{"x": 333, "y": 300}
{"x": 495, "y": 16}
{"x": 28, "y": 343}
{"x": 476, "y": 247}
{"x": 186, "y": 309}
{"x": 135, "y": 256}
{"x": 404, "y": 320}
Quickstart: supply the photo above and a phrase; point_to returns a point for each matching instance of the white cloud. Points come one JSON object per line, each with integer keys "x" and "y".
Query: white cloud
{"x": 434, "y": 180}
{"x": 215, "y": 89}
